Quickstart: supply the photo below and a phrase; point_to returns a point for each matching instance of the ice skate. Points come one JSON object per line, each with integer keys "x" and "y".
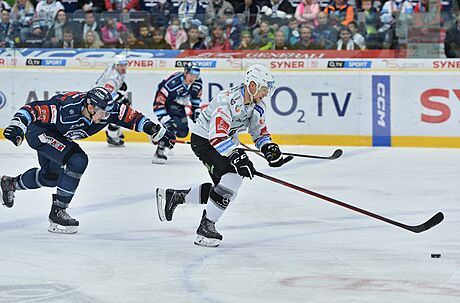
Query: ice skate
{"x": 207, "y": 234}
{"x": 8, "y": 189}
{"x": 160, "y": 156}
{"x": 60, "y": 221}
{"x": 167, "y": 201}
{"x": 115, "y": 142}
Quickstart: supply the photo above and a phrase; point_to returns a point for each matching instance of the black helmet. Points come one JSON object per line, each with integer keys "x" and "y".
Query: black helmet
{"x": 100, "y": 97}
{"x": 192, "y": 68}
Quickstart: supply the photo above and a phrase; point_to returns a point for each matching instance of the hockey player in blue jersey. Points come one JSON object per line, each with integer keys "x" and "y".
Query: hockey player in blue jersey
{"x": 51, "y": 127}
{"x": 173, "y": 95}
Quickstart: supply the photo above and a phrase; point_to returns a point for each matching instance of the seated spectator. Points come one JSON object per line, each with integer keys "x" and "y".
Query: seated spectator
{"x": 92, "y": 40}
{"x": 277, "y": 12}
{"x": 340, "y": 13}
{"x": 132, "y": 42}
{"x": 251, "y": 12}
{"x": 218, "y": 41}
{"x": 263, "y": 36}
{"x": 8, "y": 33}
{"x": 325, "y": 34}
{"x": 356, "y": 36}
{"x": 55, "y": 34}
{"x": 306, "y": 41}
{"x": 159, "y": 41}
{"x": 90, "y": 24}
{"x": 246, "y": 41}
{"x": 112, "y": 32}
{"x": 307, "y": 13}
{"x": 193, "y": 42}
{"x": 121, "y": 6}
{"x": 392, "y": 11}
{"x": 452, "y": 41}
{"x": 215, "y": 10}
{"x": 280, "y": 41}
{"x": 291, "y": 31}
{"x": 190, "y": 9}
{"x": 22, "y": 16}
{"x": 145, "y": 35}
{"x": 345, "y": 42}
{"x": 233, "y": 27}
{"x": 46, "y": 13}
{"x": 68, "y": 40}
{"x": 175, "y": 35}
{"x": 160, "y": 11}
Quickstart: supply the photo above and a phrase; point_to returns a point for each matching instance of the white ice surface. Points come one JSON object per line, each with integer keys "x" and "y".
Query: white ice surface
{"x": 279, "y": 245}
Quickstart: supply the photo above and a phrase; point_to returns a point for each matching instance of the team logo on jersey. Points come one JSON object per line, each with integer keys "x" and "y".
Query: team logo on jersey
{"x": 53, "y": 142}
{"x": 77, "y": 134}
{"x": 2, "y": 100}
{"x": 222, "y": 126}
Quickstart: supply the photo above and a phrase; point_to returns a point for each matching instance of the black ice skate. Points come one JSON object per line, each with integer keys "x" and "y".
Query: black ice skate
{"x": 115, "y": 142}
{"x": 160, "y": 156}
{"x": 60, "y": 221}
{"x": 167, "y": 201}
{"x": 8, "y": 188}
{"x": 207, "y": 234}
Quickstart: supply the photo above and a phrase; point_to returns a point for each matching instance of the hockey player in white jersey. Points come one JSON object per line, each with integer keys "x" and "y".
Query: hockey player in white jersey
{"x": 113, "y": 79}
{"x": 215, "y": 142}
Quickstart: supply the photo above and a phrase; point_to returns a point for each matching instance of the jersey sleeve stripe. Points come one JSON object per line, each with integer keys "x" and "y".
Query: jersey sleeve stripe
{"x": 26, "y": 115}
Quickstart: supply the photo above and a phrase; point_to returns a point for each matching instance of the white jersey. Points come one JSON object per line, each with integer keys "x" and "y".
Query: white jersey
{"x": 111, "y": 80}
{"x": 226, "y": 116}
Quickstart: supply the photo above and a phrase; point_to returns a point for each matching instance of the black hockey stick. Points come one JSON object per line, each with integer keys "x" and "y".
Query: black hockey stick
{"x": 435, "y": 220}
{"x": 337, "y": 153}
{"x": 285, "y": 159}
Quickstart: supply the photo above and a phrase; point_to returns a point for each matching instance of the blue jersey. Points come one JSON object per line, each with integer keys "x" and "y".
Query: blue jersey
{"x": 63, "y": 114}
{"x": 173, "y": 90}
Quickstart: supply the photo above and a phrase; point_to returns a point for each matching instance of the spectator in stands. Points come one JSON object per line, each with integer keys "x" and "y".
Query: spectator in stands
{"x": 55, "y": 34}
{"x": 291, "y": 32}
{"x": 122, "y": 6}
{"x": 345, "y": 42}
{"x": 218, "y": 41}
{"x": 92, "y": 40}
{"x": 246, "y": 41}
{"x": 44, "y": 16}
{"x": 251, "y": 12}
{"x": 277, "y": 12}
{"x": 71, "y": 5}
{"x": 306, "y": 41}
{"x": 175, "y": 35}
{"x": 8, "y": 33}
{"x": 340, "y": 13}
{"x": 233, "y": 27}
{"x": 356, "y": 36}
{"x": 452, "y": 41}
{"x": 307, "y": 13}
{"x": 22, "y": 15}
{"x": 446, "y": 12}
{"x": 132, "y": 42}
{"x": 193, "y": 42}
{"x": 325, "y": 34}
{"x": 145, "y": 35}
{"x": 68, "y": 40}
{"x": 112, "y": 32}
{"x": 159, "y": 41}
{"x": 190, "y": 9}
{"x": 160, "y": 11}
{"x": 215, "y": 10}
{"x": 90, "y": 24}
{"x": 393, "y": 10}
{"x": 264, "y": 36}
{"x": 280, "y": 41}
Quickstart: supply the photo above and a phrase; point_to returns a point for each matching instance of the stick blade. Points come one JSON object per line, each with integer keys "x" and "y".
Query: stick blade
{"x": 337, "y": 154}
{"x": 435, "y": 220}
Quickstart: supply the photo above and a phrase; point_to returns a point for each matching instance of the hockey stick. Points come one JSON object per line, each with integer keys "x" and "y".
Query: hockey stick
{"x": 337, "y": 153}
{"x": 285, "y": 159}
{"x": 435, "y": 220}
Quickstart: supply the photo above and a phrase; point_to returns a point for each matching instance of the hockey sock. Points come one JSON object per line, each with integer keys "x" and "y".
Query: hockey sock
{"x": 222, "y": 195}
{"x": 70, "y": 178}
{"x": 199, "y": 194}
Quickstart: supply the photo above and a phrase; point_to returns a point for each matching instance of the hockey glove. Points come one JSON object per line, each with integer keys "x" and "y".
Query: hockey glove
{"x": 15, "y": 131}
{"x": 272, "y": 154}
{"x": 195, "y": 113}
{"x": 240, "y": 161}
{"x": 162, "y": 136}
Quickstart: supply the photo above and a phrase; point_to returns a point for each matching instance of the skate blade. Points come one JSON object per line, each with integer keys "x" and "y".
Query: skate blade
{"x": 158, "y": 161}
{"x": 60, "y": 229}
{"x": 206, "y": 242}
{"x": 161, "y": 202}
{"x": 115, "y": 145}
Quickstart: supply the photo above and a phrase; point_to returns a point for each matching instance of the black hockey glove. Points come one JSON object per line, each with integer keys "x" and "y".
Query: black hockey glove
{"x": 161, "y": 136}
{"x": 240, "y": 161}
{"x": 15, "y": 131}
{"x": 272, "y": 154}
{"x": 196, "y": 111}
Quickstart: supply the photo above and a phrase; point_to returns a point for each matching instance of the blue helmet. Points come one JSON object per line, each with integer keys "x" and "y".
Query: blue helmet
{"x": 100, "y": 97}
{"x": 192, "y": 68}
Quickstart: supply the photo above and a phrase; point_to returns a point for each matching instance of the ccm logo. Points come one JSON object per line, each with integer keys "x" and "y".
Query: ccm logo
{"x": 444, "y": 111}
{"x": 381, "y": 104}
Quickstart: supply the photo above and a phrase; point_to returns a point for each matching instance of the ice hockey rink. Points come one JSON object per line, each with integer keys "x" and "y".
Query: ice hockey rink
{"x": 279, "y": 245}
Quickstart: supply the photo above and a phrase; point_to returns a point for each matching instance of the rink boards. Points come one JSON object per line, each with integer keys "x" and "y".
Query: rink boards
{"x": 360, "y": 102}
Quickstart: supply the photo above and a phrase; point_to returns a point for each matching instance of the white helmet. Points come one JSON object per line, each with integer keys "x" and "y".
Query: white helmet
{"x": 120, "y": 59}
{"x": 261, "y": 76}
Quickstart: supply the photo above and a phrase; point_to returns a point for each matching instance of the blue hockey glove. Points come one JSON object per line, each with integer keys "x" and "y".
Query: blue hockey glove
{"x": 272, "y": 154}
{"x": 240, "y": 161}
{"x": 15, "y": 131}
